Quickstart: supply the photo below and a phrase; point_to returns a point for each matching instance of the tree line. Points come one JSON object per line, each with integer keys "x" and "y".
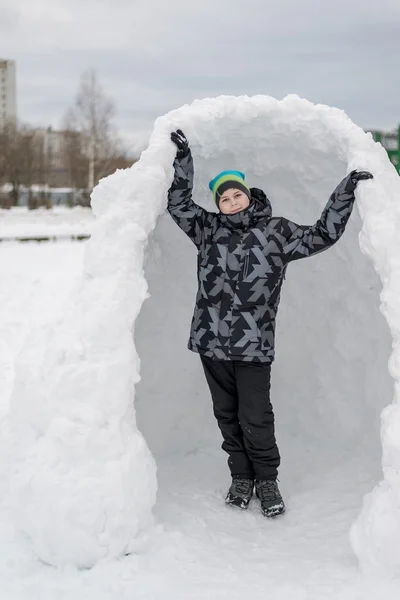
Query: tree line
{"x": 89, "y": 149}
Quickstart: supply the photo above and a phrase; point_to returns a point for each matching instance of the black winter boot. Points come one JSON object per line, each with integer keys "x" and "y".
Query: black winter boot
{"x": 271, "y": 500}
{"x": 240, "y": 492}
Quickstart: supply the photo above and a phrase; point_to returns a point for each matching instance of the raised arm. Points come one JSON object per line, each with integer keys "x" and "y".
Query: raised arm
{"x": 304, "y": 240}
{"x": 190, "y": 217}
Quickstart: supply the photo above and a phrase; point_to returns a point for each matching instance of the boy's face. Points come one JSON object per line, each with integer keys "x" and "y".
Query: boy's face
{"x": 233, "y": 201}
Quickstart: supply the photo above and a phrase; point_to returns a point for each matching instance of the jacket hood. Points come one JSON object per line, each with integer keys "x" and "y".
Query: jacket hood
{"x": 259, "y": 208}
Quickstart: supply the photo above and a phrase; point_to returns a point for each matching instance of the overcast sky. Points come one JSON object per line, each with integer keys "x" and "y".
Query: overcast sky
{"x": 155, "y": 55}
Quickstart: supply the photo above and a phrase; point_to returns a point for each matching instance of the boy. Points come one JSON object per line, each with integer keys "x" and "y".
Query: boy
{"x": 243, "y": 253}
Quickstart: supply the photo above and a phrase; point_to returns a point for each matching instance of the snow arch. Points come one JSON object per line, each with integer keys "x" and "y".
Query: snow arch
{"x": 85, "y": 480}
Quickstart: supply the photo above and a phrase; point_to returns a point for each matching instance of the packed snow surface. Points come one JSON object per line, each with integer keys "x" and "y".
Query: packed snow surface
{"x": 56, "y": 222}
{"x": 81, "y": 475}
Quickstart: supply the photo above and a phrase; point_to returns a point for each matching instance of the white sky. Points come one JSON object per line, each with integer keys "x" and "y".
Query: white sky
{"x": 155, "y": 55}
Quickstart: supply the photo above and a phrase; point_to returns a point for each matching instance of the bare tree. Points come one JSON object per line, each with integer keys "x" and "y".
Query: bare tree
{"x": 75, "y": 160}
{"x": 90, "y": 121}
{"x": 21, "y": 160}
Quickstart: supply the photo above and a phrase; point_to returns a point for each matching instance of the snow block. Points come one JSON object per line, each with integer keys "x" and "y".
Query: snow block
{"x": 82, "y": 478}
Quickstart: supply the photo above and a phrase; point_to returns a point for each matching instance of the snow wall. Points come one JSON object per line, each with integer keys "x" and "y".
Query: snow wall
{"x": 81, "y": 474}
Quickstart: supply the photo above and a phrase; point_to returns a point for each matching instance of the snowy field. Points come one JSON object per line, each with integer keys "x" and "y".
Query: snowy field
{"x": 79, "y": 514}
{"x": 60, "y": 222}
{"x": 200, "y": 548}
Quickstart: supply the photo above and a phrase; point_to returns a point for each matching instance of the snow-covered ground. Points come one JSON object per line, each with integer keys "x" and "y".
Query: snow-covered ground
{"x": 57, "y": 222}
{"x": 78, "y": 482}
{"x": 200, "y": 548}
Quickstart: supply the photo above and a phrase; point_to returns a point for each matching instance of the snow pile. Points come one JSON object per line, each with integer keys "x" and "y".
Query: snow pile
{"x": 55, "y": 222}
{"x": 84, "y": 481}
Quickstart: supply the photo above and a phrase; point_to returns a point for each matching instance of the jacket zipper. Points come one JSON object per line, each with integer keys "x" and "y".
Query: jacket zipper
{"x": 246, "y": 264}
{"x": 278, "y": 283}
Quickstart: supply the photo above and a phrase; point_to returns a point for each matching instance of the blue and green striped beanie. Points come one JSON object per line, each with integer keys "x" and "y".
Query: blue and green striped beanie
{"x": 226, "y": 180}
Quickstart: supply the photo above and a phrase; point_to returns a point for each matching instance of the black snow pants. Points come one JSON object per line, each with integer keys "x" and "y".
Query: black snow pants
{"x": 241, "y": 397}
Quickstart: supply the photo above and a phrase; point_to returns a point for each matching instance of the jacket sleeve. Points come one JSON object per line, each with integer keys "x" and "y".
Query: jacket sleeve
{"x": 190, "y": 217}
{"x": 303, "y": 240}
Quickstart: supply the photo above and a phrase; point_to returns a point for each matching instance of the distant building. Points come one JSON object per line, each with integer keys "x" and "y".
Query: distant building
{"x": 55, "y": 156}
{"x": 8, "y": 92}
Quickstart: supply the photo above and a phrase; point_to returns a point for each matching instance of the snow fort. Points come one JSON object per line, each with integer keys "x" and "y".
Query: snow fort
{"x": 110, "y": 390}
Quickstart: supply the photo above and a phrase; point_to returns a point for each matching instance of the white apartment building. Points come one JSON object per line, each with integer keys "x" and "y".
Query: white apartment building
{"x": 8, "y": 92}
{"x": 53, "y": 144}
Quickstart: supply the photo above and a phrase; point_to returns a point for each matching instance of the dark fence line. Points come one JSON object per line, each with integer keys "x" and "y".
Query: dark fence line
{"x": 45, "y": 238}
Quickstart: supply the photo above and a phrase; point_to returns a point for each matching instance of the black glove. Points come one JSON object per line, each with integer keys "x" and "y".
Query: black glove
{"x": 357, "y": 176}
{"x": 180, "y": 141}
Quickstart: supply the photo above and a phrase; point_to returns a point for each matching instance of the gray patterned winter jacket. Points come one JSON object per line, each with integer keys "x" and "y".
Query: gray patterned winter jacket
{"x": 241, "y": 264}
